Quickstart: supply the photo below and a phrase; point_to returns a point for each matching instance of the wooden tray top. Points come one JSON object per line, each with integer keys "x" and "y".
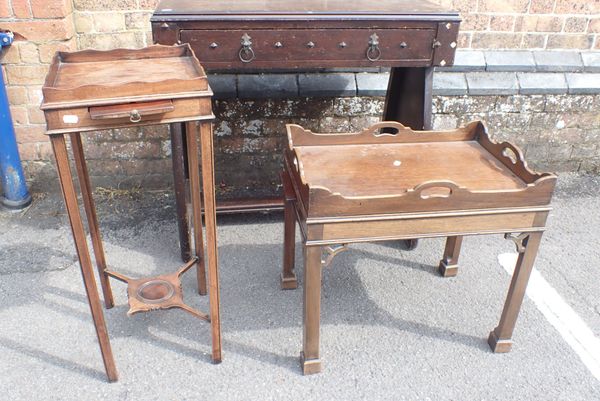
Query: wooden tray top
{"x": 92, "y": 76}
{"x": 411, "y": 171}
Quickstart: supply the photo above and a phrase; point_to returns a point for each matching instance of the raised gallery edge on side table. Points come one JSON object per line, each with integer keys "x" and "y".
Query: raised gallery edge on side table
{"x": 373, "y": 186}
{"x": 98, "y": 90}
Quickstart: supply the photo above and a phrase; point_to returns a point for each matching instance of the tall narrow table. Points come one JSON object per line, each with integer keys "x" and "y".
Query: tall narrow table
{"x": 99, "y": 90}
{"x": 409, "y": 36}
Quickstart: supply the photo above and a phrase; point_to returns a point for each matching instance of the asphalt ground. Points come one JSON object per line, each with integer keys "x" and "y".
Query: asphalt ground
{"x": 392, "y": 329}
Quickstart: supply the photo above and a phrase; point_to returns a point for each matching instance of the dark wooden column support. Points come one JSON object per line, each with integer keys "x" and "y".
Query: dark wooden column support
{"x": 66, "y": 181}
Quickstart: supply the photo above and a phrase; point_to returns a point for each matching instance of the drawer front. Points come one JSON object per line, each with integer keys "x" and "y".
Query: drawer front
{"x": 311, "y": 47}
{"x": 89, "y": 118}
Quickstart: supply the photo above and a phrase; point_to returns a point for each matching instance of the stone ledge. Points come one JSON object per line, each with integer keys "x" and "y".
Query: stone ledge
{"x": 446, "y": 82}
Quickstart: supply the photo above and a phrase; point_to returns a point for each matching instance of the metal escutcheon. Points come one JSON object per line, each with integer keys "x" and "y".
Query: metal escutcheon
{"x": 373, "y": 51}
{"x": 246, "y": 53}
{"x": 135, "y": 116}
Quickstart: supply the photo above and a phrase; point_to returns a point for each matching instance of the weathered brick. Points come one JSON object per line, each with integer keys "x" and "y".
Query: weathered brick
{"x": 34, "y": 94}
{"x": 539, "y": 23}
{"x": 520, "y": 104}
{"x": 137, "y": 20}
{"x": 35, "y": 115}
{"x": 495, "y": 40}
{"x": 360, "y": 123}
{"x": 465, "y": 105}
{"x": 10, "y": 55}
{"x": 272, "y": 85}
{"x": 19, "y": 115}
{"x": 103, "y": 5}
{"x": 502, "y": 23}
{"x": 507, "y": 6}
{"x": 334, "y": 124}
{"x": 533, "y": 41}
{"x": 594, "y": 25}
{"x": 576, "y": 24}
{"x": 464, "y": 40}
{"x": 109, "y": 22}
{"x": 585, "y": 151}
{"x": 84, "y": 22}
{"x": 444, "y": 121}
{"x": 148, "y": 4}
{"x": 17, "y": 94}
{"x": 5, "y": 10}
{"x": 108, "y": 41}
{"x": 21, "y": 8}
{"x": 569, "y": 41}
{"x": 51, "y": 9}
{"x": 475, "y": 22}
{"x": 577, "y": 7}
{"x": 28, "y": 52}
{"x": 30, "y": 133}
{"x": 155, "y": 132}
{"x": 28, "y": 151}
{"x": 542, "y": 6}
{"x": 127, "y": 134}
{"x": 123, "y": 150}
{"x": 42, "y": 30}
{"x": 48, "y": 50}
{"x": 26, "y": 74}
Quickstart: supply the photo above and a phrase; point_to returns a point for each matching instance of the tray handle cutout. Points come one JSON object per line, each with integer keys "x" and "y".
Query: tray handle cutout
{"x": 386, "y": 128}
{"x": 510, "y": 153}
{"x": 436, "y": 189}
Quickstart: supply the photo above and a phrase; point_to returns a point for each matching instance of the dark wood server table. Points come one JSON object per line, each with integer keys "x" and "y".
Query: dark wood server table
{"x": 98, "y": 90}
{"x": 347, "y": 188}
{"x": 411, "y": 37}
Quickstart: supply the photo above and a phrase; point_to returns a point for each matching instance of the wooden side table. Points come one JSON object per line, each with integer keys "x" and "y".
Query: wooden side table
{"x": 93, "y": 90}
{"x": 346, "y": 188}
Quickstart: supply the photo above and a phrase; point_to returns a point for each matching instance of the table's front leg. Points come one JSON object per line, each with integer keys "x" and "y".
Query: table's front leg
{"x": 66, "y": 182}
{"x": 210, "y": 219}
{"x": 527, "y": 246}
{"x": 311, "y": 362}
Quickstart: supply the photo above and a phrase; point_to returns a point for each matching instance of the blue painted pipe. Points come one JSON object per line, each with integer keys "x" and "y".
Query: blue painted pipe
{"x": 12, "y": 180}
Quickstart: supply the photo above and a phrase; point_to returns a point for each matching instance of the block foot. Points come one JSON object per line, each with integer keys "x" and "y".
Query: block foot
{"x": 446, "y": 270}
{"x": 289, "y": 283}
{"x": 310, "y": 366}
{"x": 497, "y": 345}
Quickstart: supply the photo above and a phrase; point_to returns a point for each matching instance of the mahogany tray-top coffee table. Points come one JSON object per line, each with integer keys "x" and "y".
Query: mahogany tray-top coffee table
{"x": 369, "y": 186}
{"x": 99, "y": 90}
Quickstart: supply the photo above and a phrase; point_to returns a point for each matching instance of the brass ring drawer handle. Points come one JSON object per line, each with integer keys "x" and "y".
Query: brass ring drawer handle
{"x": 135, "y": 116}
{"x": 373, "y": 51}
{"x": 246, "y": 53}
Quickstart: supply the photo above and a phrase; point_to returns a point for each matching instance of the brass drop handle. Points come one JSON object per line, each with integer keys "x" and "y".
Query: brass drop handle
{"x": 135, "y": 116}
{"x": 373, "y": 51}
{"x": 246, "y": 53}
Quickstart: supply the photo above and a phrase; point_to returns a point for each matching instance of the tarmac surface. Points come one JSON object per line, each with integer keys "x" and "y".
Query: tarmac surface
{"x": 392, "y": 329}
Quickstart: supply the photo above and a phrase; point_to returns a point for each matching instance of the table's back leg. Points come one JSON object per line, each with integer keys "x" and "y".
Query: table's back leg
{"x": 210, "y": 219}
{"x": 448, "y": 266}
{"x": 92, "y": 218}
{"x": 500, "y": 338}
{"x": 288, "y": 277}
{"x": 178, "y": 161}
{"x": 85, "y": 262}
{"x": 192, "y": 153}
